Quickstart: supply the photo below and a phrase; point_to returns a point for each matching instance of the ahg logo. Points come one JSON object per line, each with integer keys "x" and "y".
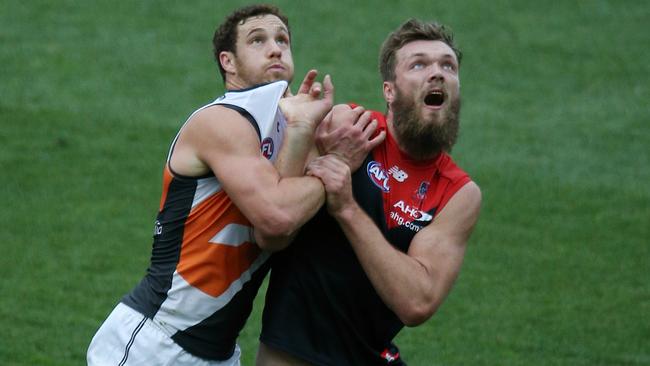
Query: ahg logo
{"x": 416, "y": 214}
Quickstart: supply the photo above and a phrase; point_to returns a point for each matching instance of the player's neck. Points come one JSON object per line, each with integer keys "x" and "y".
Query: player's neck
{"x": 235, "y": 83}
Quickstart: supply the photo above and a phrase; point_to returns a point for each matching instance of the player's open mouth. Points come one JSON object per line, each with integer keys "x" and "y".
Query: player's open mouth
{"x": 434, "y": 98}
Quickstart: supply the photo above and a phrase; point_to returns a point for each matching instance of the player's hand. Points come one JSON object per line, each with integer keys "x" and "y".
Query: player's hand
{"x": 336, "y": 177}
{"x": 348, "y": 133}
{"x": 312, "y": 102}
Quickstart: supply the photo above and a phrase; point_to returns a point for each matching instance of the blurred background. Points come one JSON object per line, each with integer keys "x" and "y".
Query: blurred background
{"x": 554, "y": 128}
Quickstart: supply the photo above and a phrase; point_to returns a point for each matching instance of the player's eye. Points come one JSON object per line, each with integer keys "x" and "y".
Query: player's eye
{"x": 417, "y": 66}
{"x": 449, "y": 66}
{"x": 282, "y": 41}
{"x": 257, "y": 40}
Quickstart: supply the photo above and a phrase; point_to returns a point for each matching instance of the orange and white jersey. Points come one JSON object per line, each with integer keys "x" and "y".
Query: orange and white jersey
{"x": 205, "y": 267}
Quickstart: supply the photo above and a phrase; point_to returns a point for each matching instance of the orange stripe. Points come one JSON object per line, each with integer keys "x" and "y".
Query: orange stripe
{"x": 213, "y": 267}
{"x": 167, "y": 179}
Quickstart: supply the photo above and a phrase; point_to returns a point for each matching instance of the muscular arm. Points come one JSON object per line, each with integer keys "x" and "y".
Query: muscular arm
{"x": 297, "y": 145}
{"x": 276, "y": 202}
{"x": 220, "y": 140}
{"x": 348, "y": 133}
{"x": 412, "y": 284}
{"x": 345, "y": 132}
{"x": 299, "y": 134}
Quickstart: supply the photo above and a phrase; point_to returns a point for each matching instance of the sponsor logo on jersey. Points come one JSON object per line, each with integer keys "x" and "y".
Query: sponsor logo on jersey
{"x": 157, "y": 228}
{"x": 413, "y": 212}
{"x": 267, "y": 147}
{"x": 398, "y": 174}
{"x": 424, "y": 217}
{"x": 389, "y": 356}
{"x": 378, "y": 175}
{"x": 421, "y": 192}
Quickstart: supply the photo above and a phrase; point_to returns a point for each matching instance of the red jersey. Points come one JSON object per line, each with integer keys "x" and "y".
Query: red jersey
{"x": 320, "y": 305}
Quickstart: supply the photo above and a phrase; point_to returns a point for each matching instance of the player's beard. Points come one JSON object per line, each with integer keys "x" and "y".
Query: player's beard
{"x": 424, "y": 138}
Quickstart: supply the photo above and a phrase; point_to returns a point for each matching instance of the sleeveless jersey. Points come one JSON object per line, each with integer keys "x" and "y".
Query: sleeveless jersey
{"x": 320, "y": 305}
{"x": 205, "y": 267}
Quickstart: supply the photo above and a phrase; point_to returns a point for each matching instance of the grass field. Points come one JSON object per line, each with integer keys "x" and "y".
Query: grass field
{"x": 555, "y": 130}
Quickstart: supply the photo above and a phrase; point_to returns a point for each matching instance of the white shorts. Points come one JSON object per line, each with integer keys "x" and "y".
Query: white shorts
{"x": 128, "y": 338}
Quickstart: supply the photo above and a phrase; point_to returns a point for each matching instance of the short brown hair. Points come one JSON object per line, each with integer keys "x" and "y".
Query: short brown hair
{"x": 412, "y": 30}
{"x": 225, "y": 37}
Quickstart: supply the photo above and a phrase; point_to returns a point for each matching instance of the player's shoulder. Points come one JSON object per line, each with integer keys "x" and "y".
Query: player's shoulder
{"x": 472, "y": 191}
{"x": 217, "y": 126}
{"x": 463, "y": 207}
{"x": 469, "y": 198}
{"x": 217, "y": 118}
{"x": 215, "y": 112}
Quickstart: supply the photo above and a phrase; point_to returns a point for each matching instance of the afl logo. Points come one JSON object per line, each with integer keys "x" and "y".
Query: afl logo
{"x": 378, "y": 175}
{"x": 267, "y": 147}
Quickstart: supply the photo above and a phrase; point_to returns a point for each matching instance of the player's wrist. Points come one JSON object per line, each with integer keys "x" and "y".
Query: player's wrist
{"x": 302, "y": 126}
{"x": 340, "y": 157}
{"x": 346, "y": 212}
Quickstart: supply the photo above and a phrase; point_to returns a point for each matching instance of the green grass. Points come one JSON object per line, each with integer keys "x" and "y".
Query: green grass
{"x": 554, "y": 129}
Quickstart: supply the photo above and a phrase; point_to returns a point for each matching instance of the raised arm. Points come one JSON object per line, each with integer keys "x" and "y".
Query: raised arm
{"x": 412, "y": 284}
{"x": 220, "y": 140}
{"x": 227, "y": 144}
{"x": 348, "y": 133}
{"x": 299, "y": 135}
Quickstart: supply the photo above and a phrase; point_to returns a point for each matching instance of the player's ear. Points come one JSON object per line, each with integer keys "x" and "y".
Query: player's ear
{"x": 389, "y": 91}
{"x": 227, "y": 61}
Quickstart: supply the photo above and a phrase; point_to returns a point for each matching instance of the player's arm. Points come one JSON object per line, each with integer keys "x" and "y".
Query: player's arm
{"x": 345, "y": 131}
{"x": 221, "y": 140}
{"x": 348, "y": 133}
{"x": 412, "y": 284}
{"x": 298, "y": 144}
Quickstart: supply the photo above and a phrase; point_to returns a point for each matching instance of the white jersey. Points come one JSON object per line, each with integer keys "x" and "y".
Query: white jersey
{"x": 205, "y": 267}
{"x": 259, "y": 105}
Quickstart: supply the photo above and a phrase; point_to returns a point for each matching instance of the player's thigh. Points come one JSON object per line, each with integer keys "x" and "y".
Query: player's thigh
{"x": 128, "y": 338}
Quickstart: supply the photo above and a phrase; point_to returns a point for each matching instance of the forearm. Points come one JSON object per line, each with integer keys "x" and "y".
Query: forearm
{"x": 297, "y": 197}
{"x": 401, "y": 281}
{"x": 297, "y": 145}
{"x": 295, "y": 201}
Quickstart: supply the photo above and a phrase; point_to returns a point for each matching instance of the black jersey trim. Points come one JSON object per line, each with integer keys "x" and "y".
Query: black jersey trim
{"x": 246, "y": 115}
{"x": 148, "y": 295}
{"x": 187, "y": 177}
{"x": 236, "y": 108}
